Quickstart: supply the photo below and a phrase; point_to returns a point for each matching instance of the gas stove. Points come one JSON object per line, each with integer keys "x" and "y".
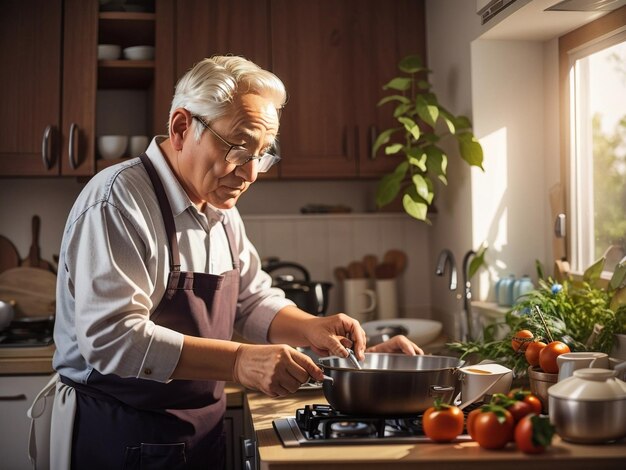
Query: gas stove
{"x": 323, "y": 425}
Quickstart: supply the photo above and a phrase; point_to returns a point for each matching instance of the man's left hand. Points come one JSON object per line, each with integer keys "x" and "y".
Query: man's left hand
{"x": 330, "y": 336}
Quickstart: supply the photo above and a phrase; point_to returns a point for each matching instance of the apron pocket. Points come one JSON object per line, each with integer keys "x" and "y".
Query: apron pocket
{"x": 155, "y": 457}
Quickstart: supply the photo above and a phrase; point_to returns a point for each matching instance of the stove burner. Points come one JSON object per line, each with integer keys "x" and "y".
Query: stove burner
{"x": 321, "y": 424}
{"x": 350, "y": 429}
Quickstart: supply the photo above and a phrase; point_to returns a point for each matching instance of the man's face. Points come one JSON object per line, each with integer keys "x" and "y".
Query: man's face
{"x": 206, "y": 176}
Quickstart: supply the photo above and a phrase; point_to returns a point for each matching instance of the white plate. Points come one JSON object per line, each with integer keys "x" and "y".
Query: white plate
{"x": 420, "y": 331}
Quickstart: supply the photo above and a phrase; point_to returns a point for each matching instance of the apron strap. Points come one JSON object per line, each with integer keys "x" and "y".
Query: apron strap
{"x": 34, "y": 412}
{"x": 166, "y": 211}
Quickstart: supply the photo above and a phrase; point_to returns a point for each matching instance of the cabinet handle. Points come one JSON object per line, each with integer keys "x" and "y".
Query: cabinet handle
{"x": 20, "y": 397}
{"x": 373, "y": 136}
{"x": 72, "y": 145}
{"x": 45, "y": 148}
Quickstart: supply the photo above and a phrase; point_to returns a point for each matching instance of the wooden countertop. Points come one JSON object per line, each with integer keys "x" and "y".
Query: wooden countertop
{"x": 466, "y": 455}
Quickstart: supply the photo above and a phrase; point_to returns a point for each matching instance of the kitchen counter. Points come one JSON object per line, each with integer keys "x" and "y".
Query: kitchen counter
{"x": 468, "y": 455}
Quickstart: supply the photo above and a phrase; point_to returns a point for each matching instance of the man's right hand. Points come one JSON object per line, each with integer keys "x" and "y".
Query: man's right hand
{"x": 275, "y": 370}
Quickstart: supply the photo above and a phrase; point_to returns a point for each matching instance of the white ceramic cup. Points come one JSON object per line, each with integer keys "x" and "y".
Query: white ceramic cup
{"x": 484, "y": 379}
{"x": 569, "y": 362}
{"x": 387, "y": 298}
{"x": 138, "y": 145}
{"x": 359, "y": 301}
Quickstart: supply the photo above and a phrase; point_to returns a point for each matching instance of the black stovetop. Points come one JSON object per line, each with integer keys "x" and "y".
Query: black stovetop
{"x": 323, "y": 425}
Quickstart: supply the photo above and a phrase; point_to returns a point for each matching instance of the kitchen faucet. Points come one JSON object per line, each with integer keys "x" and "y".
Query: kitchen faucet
{"x": 446, "y": 256}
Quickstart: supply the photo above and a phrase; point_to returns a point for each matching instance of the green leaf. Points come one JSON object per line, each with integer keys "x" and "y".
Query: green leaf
{"x": 462, "y": 122}
{"x": 449, "y": 123}
{"x": 428, "y": 112}
{"x": 411, "y": 64}
{"x": 477, "y": 261}
{"x": 400, "y": 98}
{"x": 437, "y": 161}
{"x": 593, "y": 272}
{"x": 417, "y": 158}
{"x": 393, "y": 149}
{"x": 411, "y": 126}
{"x": 401, "y": 109}
{"x": 619, "y": 275}
{"x": 415, "y": 209}
{"x": 398, "y": 83}
{"x": 423, "y": 85}
{"x": 383, "y": 138}
{"x": 542, "y": 431}
{"x": 422, "y": 188}
{"x": 387, "y": 190}
{"x": 470, "y": 149}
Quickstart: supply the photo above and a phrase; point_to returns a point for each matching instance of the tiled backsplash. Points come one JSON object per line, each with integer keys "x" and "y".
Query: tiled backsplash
{"x": 322, "y": 242}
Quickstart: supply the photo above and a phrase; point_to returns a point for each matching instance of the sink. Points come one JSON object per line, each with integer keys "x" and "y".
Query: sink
{"x": 419, "y": 330}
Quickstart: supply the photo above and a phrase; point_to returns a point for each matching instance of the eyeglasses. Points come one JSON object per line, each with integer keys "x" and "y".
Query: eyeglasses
{"x": 239, "y": 155}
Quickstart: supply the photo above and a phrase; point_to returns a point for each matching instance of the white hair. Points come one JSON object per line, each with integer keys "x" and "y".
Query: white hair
{"x": 209, "y": 87}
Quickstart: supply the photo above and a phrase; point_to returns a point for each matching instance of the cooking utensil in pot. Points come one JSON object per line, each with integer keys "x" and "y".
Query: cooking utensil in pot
{"x": 9, "y": 257}
{"x": 34, "y": 260}
{"x": 389, "y": 384}
{"x": 310, "y": 296}
{"x": 353, "y": 360}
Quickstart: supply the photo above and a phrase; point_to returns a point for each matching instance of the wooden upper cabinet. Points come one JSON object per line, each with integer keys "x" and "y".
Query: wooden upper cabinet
{"x": 334, "y": 58}
{"x": 30, "y": 84}
{"x": 311, "y": 53}
{"x": 384, "y": 33}
{"x": 216, "y": 27}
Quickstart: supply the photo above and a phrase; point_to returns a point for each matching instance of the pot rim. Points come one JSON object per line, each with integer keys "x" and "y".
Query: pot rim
{"x": 454, "y": 369}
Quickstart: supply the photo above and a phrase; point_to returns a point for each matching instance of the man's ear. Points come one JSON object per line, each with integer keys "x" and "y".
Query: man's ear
{"x": 180, "y": 124}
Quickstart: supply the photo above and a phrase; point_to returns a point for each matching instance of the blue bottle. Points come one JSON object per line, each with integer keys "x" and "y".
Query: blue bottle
{"x": 522, "y": 287}
{"x": 504, "y": 291}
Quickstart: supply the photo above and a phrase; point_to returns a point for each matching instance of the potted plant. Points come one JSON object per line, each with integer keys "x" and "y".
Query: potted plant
{"x": 585, "y": 314}
{"x": 422, "y": 125}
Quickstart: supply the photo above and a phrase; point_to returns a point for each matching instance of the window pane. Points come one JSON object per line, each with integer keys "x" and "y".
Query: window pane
{"x": 600, "y": 155}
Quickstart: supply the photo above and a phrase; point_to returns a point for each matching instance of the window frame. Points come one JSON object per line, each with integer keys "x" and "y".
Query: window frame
{"x": 594, "y": 36}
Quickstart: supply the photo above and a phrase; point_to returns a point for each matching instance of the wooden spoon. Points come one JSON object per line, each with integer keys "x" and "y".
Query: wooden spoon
{"x": 341, "y": 273}
{"x": 356, "y": 270}
{"x": 397, "y": 258}
{"x": 370, "y": 262}
{"x": 385, "y": 271}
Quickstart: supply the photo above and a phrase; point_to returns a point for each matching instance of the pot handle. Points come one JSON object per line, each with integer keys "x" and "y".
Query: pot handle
{"x": 439, "y": 391}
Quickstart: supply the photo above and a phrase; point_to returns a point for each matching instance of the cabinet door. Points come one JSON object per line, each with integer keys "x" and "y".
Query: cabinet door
{"x": 80, "y": 40}
{"x": 384, "y": 34}
{"x": 215, "y": 27}
{"x": 311, "y": 53}
{"x": 30, "y": 84}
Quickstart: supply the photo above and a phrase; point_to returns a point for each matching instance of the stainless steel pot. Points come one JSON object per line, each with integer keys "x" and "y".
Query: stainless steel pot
{"x": 390, "y": 384}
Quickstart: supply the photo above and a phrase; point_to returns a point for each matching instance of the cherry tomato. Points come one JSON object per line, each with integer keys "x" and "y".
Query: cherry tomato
{"x": 532, "y": 352}
{"x": 533, "y": 434}
{"x": 493, "y": 427}
{"x": 548, "y": 355}
{"x": 521, "y": 339}
{"x": 527, "y": 397}
{"x": 443, "y": 423}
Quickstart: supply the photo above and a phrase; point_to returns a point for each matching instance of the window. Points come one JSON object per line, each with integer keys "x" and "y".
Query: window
{"x": 595, "y": 141}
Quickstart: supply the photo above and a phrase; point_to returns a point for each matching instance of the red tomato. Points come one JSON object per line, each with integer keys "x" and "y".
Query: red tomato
{"x": 521, "y": 339}
{"x": 443, "y": 423}
{"x": 533, "y": 434}
{"x": 493, "y": 427}
{"x": 532, "y": 352}
{"x": 469, "y": 423}
{"x": 528, "y": 398}
{"x": 548, "y": 355}
{"x": 519, "y": 409}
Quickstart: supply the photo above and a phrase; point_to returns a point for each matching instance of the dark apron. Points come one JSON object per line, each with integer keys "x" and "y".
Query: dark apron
{"x": 136, "y": 423}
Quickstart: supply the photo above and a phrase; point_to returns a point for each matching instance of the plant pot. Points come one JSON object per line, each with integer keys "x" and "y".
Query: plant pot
{"x": 540, "y": 382}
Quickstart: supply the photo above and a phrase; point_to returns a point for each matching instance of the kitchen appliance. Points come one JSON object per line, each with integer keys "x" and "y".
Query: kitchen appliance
{"x": 319, "y": 424}
{"x": 28, "y": 332}
{"x": 310, "y": 296}
{"x": 389, "y": 384}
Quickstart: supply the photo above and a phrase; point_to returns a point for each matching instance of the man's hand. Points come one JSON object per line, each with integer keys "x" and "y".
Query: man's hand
{"x": 275, "y": 370}
{"x": 330, "y": 336}
{"x": 397, "y": 344}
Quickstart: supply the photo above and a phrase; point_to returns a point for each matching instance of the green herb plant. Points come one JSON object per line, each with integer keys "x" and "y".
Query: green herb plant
{"x": 422, "y": 125}
{"x": 585, "y": 314}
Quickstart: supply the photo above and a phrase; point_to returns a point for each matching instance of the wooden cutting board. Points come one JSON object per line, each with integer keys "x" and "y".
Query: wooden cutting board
{"x": 34, "y": 260}
{"x": 9, "y": 257}
{"x": 32, "y": 289}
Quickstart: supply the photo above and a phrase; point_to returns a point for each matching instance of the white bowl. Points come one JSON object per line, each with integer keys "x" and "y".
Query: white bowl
{"x": 109, "y": 51}
{"x": 138, "y": 145}
{"x": 419, "y": 330}
{"x": 139, "y": 53}
{"x": 112, "y": 146}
